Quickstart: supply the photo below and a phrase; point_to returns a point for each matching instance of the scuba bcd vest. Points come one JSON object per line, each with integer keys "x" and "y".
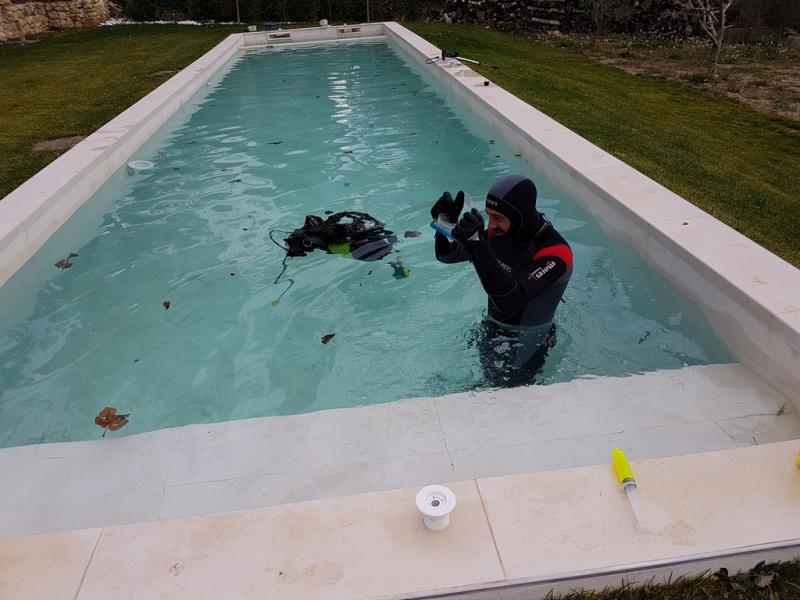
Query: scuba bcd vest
{"x": 354, "y": 234}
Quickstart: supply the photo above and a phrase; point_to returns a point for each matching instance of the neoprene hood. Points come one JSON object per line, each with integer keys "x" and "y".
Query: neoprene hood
{"x": 514, "y": 196}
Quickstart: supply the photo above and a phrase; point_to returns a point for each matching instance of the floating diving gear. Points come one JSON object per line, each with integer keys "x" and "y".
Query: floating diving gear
{"x": 354, "y": 234}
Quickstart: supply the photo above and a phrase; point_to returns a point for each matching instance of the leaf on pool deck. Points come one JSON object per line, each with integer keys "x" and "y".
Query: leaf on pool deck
{"x": 109, "y": 419}
{"x": 166, "y": 304}
{"x": 410, "y": 234}
{"x": 327, "y": 337}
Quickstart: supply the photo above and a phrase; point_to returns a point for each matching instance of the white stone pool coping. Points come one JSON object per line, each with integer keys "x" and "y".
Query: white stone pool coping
{"x": 513, "y": 537}
{"x": 232, "y": 465}
{"x": 748, "y": 294}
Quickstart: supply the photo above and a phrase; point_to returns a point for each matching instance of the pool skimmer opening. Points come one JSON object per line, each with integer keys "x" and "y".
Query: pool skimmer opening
{"x": 436, "y": 502}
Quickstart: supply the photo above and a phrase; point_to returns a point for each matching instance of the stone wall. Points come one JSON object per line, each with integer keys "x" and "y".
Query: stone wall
{"x": 27, "y": 18}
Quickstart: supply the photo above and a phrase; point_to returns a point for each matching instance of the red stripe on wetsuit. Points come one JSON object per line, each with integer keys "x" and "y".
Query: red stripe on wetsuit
{"x": 562, "y": 251}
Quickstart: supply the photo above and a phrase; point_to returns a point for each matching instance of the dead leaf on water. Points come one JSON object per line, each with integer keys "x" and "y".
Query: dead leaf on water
{"x": 166, "y": 304}
{"x": 109, "y": 419}
{"x": 327, "y": 337}
{"x": 276, "y": 302}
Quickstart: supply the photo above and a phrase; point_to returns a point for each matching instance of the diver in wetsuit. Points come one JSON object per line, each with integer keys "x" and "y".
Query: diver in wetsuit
{"x": 524, "y": 266}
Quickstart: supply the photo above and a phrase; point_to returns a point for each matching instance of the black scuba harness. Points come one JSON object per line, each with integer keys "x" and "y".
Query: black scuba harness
{"x": 317, "y": 233}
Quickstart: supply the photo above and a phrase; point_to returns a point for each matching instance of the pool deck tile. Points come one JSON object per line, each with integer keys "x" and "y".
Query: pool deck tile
{"x": 303, "y": 484}
{"x": 45, "y": 567}
{"x": 354, "y": 547}
{"x": 83, "y": 512}
{"x": 574, "y": 409}
{"x": 550, "y": 523}
{"x": 666, "y": 440}
{"x": 72, "y": 471}
{"x": 207, "y": 453}
{"x": 762, "y": 429}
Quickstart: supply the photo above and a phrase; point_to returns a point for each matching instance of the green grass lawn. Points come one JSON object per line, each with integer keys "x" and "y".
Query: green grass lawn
{"x": 72, "y": 83}
{"x": 777, "y": 581}
{"x": 740, "y": 165}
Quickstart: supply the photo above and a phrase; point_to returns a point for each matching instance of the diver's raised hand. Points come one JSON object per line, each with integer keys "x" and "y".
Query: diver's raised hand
{"x": 469, "y": 228}
{"x": 448, "y": 207}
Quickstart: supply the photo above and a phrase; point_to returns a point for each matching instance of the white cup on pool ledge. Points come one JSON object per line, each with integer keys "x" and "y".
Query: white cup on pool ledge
{"x": 436, "y": 502}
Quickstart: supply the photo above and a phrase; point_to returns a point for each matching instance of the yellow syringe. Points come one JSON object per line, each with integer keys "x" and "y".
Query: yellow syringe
{"x": 628, "y": 481}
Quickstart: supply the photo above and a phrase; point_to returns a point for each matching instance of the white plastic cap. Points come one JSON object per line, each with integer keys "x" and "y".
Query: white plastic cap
{"x": 435, "y": 502}
{"x": 137, "y": 166}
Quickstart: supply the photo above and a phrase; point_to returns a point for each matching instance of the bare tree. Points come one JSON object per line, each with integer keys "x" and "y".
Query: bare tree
{"x": 711, "y": 16}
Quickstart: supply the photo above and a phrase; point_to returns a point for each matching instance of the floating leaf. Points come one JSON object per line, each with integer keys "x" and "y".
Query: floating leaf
{"x": 64, "y": 264}
{"x": 71, "y": 255}
{"x": 109, "y": 419}
{"x": 411, "y": 234}
{"x": 166, "y": 304}
{"x": 235, "y": 181}
{"x": 645, "y": 335}
{"x": 276, "y": 142}
{"x": 327, "y": 337}
{"x": 276, "y": 302}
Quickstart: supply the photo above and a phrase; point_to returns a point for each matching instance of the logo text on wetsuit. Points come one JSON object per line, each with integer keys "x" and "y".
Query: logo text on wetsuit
{"x": 542, "y": 271}
{"x": 504, "y": 266}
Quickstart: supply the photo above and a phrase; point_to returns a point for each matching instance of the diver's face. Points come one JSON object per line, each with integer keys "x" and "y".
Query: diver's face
{"x": 498, "y": 224}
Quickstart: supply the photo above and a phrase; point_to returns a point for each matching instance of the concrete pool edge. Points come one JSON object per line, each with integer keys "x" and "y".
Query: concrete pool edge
{"x": 519, "y": 533}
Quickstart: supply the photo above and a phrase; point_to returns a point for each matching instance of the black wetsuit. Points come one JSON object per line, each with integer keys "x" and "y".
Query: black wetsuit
{"x": 524, "y": 274}
{"x": 523, "y": 279}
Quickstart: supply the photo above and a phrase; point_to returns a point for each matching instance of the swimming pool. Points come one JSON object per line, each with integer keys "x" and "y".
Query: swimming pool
{"x": 288, "y": 133}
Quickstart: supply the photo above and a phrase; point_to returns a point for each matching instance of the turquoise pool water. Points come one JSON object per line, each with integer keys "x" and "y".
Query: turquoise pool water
{"x": 285, "y": 134}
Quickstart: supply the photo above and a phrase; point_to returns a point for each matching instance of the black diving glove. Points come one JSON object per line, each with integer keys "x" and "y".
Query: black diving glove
{"x": 469, "y": 228}
{"x": 448, "y": 207}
